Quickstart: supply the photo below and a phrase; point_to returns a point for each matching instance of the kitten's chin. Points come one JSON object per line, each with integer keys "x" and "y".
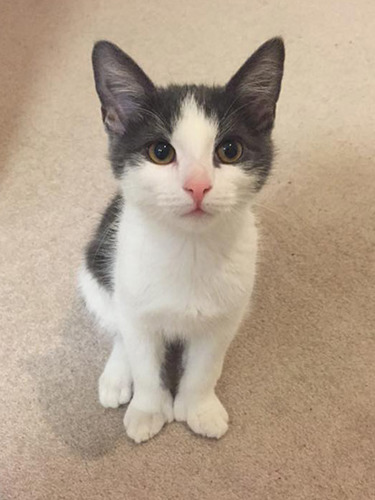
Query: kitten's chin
{"x": 198, "y": 220}
{"x": 195, "y": 221}
{"x": 198, "y": 224}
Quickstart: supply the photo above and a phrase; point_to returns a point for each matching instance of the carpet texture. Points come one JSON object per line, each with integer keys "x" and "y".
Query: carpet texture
{"x": 299, "y": 380}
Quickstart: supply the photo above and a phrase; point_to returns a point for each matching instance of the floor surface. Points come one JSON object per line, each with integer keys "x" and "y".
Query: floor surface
{"x": 299, "y": 379}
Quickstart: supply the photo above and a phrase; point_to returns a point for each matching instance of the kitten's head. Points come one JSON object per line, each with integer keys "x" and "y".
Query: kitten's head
{"x": 189, "y": 154}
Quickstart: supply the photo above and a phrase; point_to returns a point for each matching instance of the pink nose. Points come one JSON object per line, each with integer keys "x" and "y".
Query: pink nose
{"x": 197, "y": 189}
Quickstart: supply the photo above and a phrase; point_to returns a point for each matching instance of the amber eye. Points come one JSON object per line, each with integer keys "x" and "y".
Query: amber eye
{"x": 161, "y": 153}
{"x": 229, "y": 151}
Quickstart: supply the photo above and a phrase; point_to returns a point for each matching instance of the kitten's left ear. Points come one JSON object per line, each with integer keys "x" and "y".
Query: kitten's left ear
{"x": 258, "y": 83}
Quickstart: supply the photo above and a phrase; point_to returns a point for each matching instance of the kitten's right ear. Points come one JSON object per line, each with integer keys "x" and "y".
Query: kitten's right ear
{"x": 120, "y": 83}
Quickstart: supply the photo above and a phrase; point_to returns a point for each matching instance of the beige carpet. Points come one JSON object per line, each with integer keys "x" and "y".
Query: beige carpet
{"x": 299, "y": 381}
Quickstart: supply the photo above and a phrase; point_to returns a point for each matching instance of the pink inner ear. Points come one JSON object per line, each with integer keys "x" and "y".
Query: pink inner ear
{"x": 112, "y": 121}
{"x": 263, "y": 114}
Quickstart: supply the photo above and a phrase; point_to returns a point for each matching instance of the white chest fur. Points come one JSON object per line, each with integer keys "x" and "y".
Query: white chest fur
{"x": 177, "y": 281}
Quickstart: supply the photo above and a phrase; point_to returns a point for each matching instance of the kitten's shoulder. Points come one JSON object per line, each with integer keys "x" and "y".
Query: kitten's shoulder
{"x": 101, "y": 249}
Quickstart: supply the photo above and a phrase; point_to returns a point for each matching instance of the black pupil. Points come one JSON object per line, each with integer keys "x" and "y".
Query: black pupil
{"x": 230, "y": 149}
{"x": 162, "y": 150}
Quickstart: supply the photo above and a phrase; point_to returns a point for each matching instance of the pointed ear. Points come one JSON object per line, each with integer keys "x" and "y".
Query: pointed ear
{"x": 258, "y": 83}
{"x": 120, "y": 84}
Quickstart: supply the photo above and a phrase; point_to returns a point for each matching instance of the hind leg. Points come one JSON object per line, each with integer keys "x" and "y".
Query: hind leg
{"x": 115, "y": 383}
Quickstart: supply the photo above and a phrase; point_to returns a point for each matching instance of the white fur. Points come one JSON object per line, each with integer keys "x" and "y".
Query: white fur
{"x": 194, "y": 138}
{"x": 99, "y": 302}
{"x": 177, "y": 276}
{"x": 115, "y": 383}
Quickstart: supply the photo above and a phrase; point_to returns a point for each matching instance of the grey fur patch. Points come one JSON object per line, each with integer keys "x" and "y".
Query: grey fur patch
{"x": 101, "y": 249}
{"x": 172, "y": 367}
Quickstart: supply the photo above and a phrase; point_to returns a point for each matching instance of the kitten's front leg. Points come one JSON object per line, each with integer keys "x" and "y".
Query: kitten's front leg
{"x": 196, "y": 402}
{"x": 151, "y": 406}
{"x": 115, "y": 383}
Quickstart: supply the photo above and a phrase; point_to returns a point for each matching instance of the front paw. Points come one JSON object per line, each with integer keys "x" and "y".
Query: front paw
{"x": 142, "y": 425}
{"x": 207, "y": 416}
{"x": 114, "y": 389}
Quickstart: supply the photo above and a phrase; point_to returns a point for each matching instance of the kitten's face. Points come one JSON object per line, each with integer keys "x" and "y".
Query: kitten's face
{"x": 189, "y": 155}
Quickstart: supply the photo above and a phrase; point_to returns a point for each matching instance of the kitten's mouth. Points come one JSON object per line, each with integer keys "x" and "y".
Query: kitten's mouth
{"x": 196, "y": 212}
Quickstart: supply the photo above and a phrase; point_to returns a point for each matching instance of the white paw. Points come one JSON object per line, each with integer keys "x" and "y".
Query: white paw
{"x": 114, "y": 389}
{"x": 142, "y": 425}
{"x": 207, "y": 417}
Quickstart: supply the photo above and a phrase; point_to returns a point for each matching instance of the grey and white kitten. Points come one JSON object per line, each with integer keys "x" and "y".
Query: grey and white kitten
{"x": 173, "y": 259}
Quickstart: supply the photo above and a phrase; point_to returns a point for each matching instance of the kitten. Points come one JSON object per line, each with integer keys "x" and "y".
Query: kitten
{"x": 173, "y": 259}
